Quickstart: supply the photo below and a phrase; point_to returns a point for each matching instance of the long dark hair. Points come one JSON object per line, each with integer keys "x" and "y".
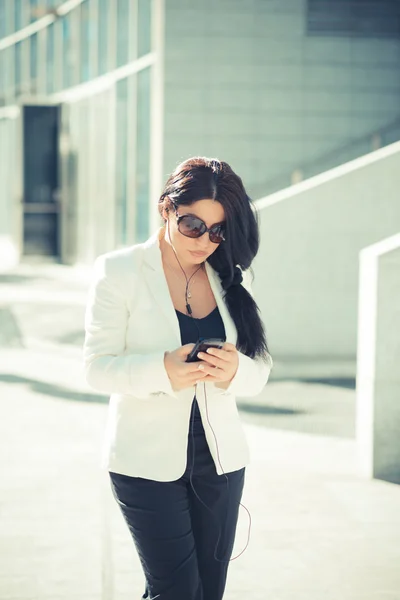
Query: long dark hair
{"x": 200, "y": 178}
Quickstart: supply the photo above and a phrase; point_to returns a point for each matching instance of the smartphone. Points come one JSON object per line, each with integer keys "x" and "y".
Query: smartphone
{"x": 202, "y": 345}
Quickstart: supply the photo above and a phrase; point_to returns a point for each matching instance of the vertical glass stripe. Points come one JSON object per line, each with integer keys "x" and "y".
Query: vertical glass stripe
{"x": 143, "y": 155}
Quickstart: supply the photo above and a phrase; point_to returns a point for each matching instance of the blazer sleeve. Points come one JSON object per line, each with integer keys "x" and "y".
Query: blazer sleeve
{"x": 252, "y": 373}
{"x": 107, "y": 367}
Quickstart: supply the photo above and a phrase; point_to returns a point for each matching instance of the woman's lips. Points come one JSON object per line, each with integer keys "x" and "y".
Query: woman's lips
{"x": 198, "y": 254}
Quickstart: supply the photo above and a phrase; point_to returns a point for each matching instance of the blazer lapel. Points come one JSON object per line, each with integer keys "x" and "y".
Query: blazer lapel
{"x": 154, "y": 274}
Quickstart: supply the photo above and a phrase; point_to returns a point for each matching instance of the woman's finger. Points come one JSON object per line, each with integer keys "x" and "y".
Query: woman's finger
{"x": 218, "y": 353}
{"x": 211, "y": 370}
{"x": 211, "y": 360}
{"x": 216, "y": 378}
{"x": 190, "y": 368}
{"x": 228, "y": 347}
{"x": 195, "y": 376}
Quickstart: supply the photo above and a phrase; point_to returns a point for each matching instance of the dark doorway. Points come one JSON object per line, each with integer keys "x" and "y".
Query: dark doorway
{"x": 41, "y": 180}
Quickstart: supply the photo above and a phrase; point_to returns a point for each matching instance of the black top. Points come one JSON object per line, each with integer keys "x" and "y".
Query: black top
{"x": 211, "y": 326}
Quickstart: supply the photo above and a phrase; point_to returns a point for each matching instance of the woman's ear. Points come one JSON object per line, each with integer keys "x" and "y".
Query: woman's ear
{"x": 166, "y": 208}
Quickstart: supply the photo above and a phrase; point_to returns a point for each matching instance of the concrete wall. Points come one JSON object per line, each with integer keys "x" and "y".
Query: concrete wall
{"x": 244, "y": 82}
{"x": 307, "y": 269}
{"x": 378, "y": 364}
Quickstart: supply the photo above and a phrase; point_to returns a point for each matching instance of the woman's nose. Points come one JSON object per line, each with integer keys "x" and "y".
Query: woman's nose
{"x": 204, "y": 241}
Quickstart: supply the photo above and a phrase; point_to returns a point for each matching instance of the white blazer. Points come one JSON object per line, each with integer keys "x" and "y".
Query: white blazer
{"x": 130, "y": 322}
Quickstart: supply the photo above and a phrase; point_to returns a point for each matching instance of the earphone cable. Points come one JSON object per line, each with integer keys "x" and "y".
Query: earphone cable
{"x": 188, "y": 307}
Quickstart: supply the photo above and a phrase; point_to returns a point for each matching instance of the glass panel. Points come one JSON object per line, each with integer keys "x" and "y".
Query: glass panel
{"x": 103, "y": 204}
{"x": 25, "y": 13}
{"x": 9, "y": 17}
{"x": 3, "y": 25}
{"x": 33, "y": 11}
{"x": 122, "y": 32}
{"x": 144, "y": 27}
{"x": 40, "y": 131}
{"x": 83, "y": 147}
{"x": 25, "y": 67}
{"x": 103, "y": 36}
{"x": 8, "y": 64}
{"x": 50, "y": 59}
{"x": 85, "y": 42}
{"x": 33, "y": 63}
{"x": 68, "y": 55}
{"x": 40, "y": 179}
{"x": 17, "y": 68}
{"x": 2, "y": 78}
{"x": 68, "y": 180}
{"x": 17, "y": 48}
{"x": 58, "y": 56}
{"x": 121, "y": 161}
{"x": 89, "y": 177}
{"x": 143, "y": 155}
{"x": 17, "y": 15}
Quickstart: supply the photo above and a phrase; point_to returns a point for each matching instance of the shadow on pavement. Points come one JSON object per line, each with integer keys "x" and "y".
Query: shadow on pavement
{"x": 49, "y": 389}
{"x": 19, "y": 278}
{"x": 262, "y": 409}
{"x": 56, "y": 391}
{"x": 342, "y": 382}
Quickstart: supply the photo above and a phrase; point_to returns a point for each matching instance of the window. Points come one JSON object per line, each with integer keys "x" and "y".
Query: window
{"x": 358, "y": 18}
{"x": 3, "y": 78}
{"x": 50, "y": 58}
{"x": 103, "y": 11}
{"x": 85, "y": 39}
{"x": 122, "y": 32}
{"x": 34, "y": 12}
{"x": 17, "y": 67}
{"x": 144, "y": 27}
{"x": 143, "y": 154}
{"x": 121, "y": 160}
{"x": 3, "y": 20}
{"x": 33, "y": 62}
{"x": 17, "y": 15}
{"x": 68, "y": 54}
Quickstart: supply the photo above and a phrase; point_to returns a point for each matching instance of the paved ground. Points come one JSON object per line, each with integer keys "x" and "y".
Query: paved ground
{"x": 319, "y": 531}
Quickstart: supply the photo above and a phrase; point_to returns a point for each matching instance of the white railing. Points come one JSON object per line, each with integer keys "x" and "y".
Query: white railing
{"x": 42, "y": 23}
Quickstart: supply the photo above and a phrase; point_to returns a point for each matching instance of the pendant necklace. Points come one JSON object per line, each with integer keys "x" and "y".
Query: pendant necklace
{"x": 188, "y": 294}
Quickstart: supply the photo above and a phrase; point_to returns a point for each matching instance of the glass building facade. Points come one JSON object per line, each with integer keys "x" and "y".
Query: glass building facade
{"x": 78, "y": 82}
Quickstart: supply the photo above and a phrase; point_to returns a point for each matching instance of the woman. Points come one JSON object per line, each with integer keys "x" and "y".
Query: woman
{"x": 174, "y": 447}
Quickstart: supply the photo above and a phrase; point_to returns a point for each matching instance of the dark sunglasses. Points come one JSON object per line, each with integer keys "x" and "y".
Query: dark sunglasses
{"x": 193, "y": 227}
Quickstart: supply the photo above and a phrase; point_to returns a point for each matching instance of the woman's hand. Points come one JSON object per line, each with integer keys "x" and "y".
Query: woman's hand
{"x": 219, "y": 365}
{"x": 182, "y": 374}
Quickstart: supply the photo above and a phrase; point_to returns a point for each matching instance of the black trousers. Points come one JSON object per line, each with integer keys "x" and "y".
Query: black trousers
{"x": 175, "y": 534}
